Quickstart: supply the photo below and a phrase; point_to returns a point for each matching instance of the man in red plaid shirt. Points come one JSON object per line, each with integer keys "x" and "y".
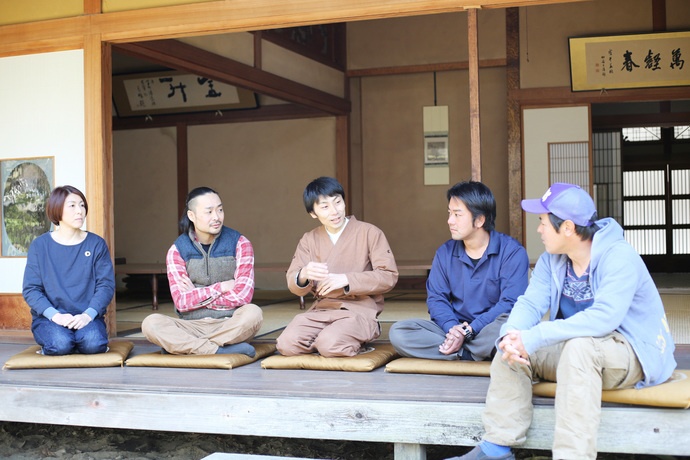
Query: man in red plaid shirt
{"x": 211, "y": 275}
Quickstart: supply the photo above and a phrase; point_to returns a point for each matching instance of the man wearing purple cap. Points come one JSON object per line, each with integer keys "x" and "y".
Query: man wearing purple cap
{"x": 607, "y": 330}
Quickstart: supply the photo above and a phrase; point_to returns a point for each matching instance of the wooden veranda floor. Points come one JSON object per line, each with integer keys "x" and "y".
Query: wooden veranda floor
{"x": 376, "y": 406}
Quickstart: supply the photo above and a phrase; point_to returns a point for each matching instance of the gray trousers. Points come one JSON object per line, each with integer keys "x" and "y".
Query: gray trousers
{"x": 420, "y": 338}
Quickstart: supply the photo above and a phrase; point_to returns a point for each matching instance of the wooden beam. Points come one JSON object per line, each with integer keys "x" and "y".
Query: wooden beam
{"x": 247, "y": 15}
{"x": 266, "y": 113}
{"x": 515, "y": 193}
{"x": 475, "y": 129}
{"x": 562, "y": 95}
{"x": 37, "y": 37}
{"x": 99, "y": 159}
{"x": 224, "y": 16}
{"x": 663, "y": 119}
{"x": 423, "y": 68}
{"x": 185, "y": 57}
{"x": 182, "y": 170}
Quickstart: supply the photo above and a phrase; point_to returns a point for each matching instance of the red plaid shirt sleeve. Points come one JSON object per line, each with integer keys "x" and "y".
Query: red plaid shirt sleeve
{"x": 211, "y": 296}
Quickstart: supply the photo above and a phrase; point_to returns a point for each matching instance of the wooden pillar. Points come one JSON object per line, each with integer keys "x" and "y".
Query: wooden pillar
{"x": 258, "y": 56}
{"x": 99, "y": 147}
{"x": 409, "y": 451}
{"x": 515, "y": 215}
{"x": 659, "y": 15}
{"x": 475, "y": 133}
{"x": 182, "y": 174}
{"x": 92, "y": 7}
{"x": 342, "y": 154}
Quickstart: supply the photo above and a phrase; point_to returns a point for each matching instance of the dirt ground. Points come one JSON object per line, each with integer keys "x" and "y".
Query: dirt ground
{"x": 24, "y": 441}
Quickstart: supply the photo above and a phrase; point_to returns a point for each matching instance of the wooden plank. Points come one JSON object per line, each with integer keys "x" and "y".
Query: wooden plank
{"x": 413, "y": 409}
{"x": 14, "y": 312}
{"x": 656, "y": 431}
{"x": 227, "y": 456}
{"x": 423, "y": 68}
{"x": 475, "y": 125}
{"x": 185, "y": 57}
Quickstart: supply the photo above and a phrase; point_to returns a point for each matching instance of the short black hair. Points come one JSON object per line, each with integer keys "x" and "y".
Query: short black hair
{"x": 185, "y": 224}
{"x": 585, "y": 233}
{"x": 478, "y": 199}
{"x": 323, "y": 186}
{"x": 56, "y": 202}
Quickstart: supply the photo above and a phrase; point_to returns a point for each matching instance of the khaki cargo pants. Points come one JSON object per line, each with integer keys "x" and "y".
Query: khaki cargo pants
{"x": 583, "y": 367}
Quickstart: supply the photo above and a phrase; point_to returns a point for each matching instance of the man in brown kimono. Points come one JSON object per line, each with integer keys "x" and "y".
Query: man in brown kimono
{"x": 347, "y": 265}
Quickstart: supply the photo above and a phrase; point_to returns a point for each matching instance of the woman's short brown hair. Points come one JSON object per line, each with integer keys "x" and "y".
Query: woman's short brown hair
{"x": 56, "y": 202}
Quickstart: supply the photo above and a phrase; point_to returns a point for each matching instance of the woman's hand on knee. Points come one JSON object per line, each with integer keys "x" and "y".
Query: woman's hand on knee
{"x": 62, "y": 319}
{"x": 79, "y": 321}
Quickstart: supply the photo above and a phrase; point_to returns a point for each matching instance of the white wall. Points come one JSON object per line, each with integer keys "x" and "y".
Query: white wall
{"x": 42, "y": 114}
{"x": 541, "y": 126}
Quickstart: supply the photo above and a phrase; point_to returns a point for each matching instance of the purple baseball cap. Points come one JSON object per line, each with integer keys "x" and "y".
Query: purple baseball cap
{"x": 567, "y": 201}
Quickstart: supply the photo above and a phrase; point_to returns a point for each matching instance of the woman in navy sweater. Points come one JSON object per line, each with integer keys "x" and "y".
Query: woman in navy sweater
{"x": 69, "y": 280}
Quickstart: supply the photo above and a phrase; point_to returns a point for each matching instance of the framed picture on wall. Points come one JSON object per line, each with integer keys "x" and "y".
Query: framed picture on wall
{"x": 173, "y": 92}
{"x": 436, "y": 150}
{"x": 26, "y": 184}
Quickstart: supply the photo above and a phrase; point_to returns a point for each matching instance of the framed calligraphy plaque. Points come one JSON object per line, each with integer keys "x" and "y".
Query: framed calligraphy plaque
{"x": 176, "y": 92}
{"x": 630, "y": 61}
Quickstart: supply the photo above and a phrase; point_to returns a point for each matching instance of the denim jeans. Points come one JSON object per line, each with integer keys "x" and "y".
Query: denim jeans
{"x": 59, "y": 340}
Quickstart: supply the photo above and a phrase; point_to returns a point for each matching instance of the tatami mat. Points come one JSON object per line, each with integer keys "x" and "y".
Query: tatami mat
{"x": 279, "y": 307}
{"x": 276, "y": 315}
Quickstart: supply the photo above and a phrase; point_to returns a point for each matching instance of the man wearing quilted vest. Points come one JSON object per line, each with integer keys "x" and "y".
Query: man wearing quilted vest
{"x": 211, "y": 274}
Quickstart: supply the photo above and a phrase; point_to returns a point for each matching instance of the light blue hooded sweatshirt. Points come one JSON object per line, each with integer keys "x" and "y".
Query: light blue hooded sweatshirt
{"x": 625, "y": 300}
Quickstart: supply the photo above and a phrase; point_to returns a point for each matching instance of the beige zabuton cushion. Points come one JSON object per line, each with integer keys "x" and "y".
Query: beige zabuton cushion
{"x": 221, "y": 361}
{"x": 440, "y": 367}
{"x": 31, "y": 359}
{"x": 369, "y": 360}
{"x": 675, "y": 392}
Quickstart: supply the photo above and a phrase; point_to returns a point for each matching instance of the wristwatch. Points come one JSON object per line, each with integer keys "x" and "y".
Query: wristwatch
{"x": 469, "y": 333}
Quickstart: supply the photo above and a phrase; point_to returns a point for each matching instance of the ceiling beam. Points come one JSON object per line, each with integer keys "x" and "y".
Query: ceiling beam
{"x": 563, "y": 95}
{"x": 230, "y": 16}
{"x": 181, "y": 56}
{"x": 266, "y": 113}
{"x": 423, "y": 68}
